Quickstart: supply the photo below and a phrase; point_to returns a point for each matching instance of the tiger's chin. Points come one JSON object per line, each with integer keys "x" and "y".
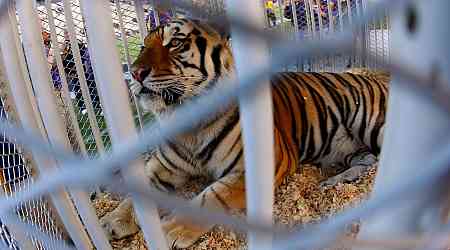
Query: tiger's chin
{"x": 158, "y": 106}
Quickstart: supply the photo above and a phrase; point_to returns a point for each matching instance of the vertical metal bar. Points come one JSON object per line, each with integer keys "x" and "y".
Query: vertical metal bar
{"x": 295, "y": 20}
{"x": 350, "y": 22}
{"x": 65, "y": 89}
{"x": 155, "y": 13}
{"x": 138, "y": 5}
{"x": 349, "y": 12}
{"x": 257, "y": 122}
{"x": 81, "y": 76}
{"x": 127, "y": 54}
{"x": 331, "y": 29}
{"x": 12, "y": 50}
{"x": 330, "y": 16}
{"x": 360, "y": 57}
{"x": 412, "y": 118}
{"x": 312, "y": 17}
{"x": 383, "y": 42}
{"x": 40, "y": 75}
{"x": 294, "y": 15}
{"x": 113, "y": 92}
{"x": 320, "y": 20}
{"x": 341, "y": 21}
{"x": 310, "y": 8}
{"x": 309, "y": 29}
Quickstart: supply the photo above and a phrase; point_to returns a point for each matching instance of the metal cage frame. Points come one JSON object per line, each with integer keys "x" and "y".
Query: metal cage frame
{"x": 51, "y": 146}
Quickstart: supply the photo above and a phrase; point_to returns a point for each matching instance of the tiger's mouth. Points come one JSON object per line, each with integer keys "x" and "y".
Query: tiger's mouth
{"x": 168, "y": 95}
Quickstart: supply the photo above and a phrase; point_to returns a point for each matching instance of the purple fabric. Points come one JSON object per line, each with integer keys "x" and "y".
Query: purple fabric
{"x": 164, "y": 17}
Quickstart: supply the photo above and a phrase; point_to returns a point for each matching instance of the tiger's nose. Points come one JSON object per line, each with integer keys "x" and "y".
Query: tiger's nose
{"x": 140, "y": 74}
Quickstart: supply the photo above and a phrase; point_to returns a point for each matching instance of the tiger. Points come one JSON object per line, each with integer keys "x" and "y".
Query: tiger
{"x": 332, "y": 120}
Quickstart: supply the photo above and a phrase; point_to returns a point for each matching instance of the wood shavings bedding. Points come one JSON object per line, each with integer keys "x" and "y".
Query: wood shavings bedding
{"x": 298, "y": 201}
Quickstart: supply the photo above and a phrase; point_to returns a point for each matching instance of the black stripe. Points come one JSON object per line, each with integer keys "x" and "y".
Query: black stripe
{"x": 168, "y": 186}
{"x": 184, "y": 48}
{"x": 164, "y": 166}
{"x": 363, "y": 124}
{"x": 232, "y": 164}
{"x": 379, "y": 122}
{"x": 351, "y": 89}
{"x": 201, "y": 45}
{"x": 215, "y": 56}
{"x": 282, "y": 85}
{"x": 181, "y": 155}
{"x": 321, "y": 113}
{"x": 220, "y": 199}
{"x": 206, "y": 153}
{"x": 166, "y": 159}
{"x": 332, "y": 133}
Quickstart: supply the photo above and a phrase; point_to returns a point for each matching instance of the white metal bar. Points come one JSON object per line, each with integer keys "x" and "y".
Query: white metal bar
{"x": 155, "y": 13}
{"x": 341, "y": 21}
{"x": 11, "y": 49}
{"x": 127, "y": 54}
{"x": 65, "y": 89}
{"x": 411, "y": 118}
{"x": 294, "y": 16}
{"x": 81, "y": 76}
{"x": 295, "y": 20}
{"x": 118, "y": 111}
{"x": 256, "y": 121}
{"x": 40, "y": 75}
{"x": 331, "y": 29}
{"x": 312, "y": 17}
{"x": 349, "y": 12}
{"x": 319, "y": 19}
{"x": 138, "y": 5}
{"x": 309, "y": 6}
{"x": 330, "y": 17}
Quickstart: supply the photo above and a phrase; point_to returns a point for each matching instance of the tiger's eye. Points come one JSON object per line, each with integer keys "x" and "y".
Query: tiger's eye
{"x": 175, "y": 43}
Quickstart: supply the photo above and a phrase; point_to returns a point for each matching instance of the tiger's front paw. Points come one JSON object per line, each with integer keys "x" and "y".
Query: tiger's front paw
{"x": 120, "y": 223}
{"x": 182, "y": 233}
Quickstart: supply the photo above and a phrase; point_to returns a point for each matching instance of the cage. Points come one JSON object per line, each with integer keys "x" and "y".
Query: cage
{"x": 66, "y": 69}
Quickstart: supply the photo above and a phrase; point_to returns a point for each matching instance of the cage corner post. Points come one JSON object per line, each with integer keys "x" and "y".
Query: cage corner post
{"x": 420, "y": 39}
{"x": 258, "y": 136}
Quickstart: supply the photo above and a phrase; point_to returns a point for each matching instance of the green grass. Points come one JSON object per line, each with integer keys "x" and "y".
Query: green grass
{"x": 88, "y": 136}
{"x": 83, "y": 120}
{"x": 134, "y": 46}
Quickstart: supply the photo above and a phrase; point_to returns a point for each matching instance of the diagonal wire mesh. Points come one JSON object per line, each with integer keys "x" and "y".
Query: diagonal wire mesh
{"x": 72, "y": 75}
{"x": 16, "y": 175}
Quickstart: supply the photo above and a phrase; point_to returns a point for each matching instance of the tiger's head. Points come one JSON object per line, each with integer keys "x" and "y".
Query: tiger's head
{"x": 179, "y": 61}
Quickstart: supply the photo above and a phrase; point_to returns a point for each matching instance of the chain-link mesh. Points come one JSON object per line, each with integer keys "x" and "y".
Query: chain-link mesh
{"x": 16, "y": 175}
{"x": 72, "y": 75}
{"x": 306, "y": 19}
{"x": 300, "y": 20}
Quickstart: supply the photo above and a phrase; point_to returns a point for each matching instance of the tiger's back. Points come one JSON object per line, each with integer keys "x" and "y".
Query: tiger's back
{"x": 325, "y": 117}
